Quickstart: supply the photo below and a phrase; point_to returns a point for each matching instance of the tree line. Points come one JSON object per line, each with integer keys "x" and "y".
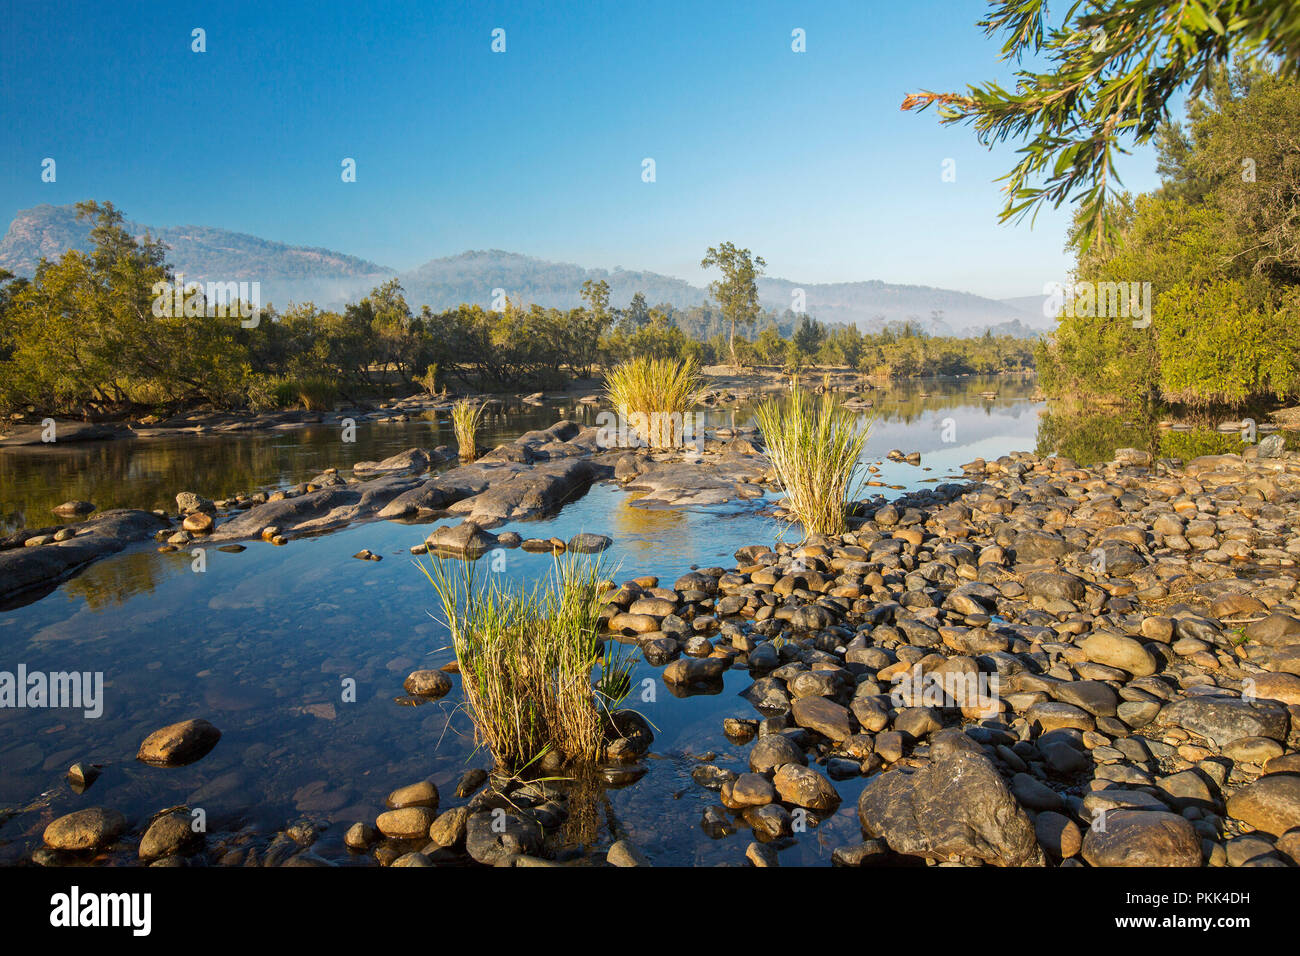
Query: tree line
{"x": 1216, "y": 247}
{"x": 84, "y": 337}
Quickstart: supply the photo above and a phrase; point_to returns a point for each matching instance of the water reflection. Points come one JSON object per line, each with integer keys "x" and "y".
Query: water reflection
{"x": 262, "y": 641}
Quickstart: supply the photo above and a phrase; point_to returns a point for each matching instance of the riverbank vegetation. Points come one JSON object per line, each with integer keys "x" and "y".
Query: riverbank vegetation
{"x": 1219, "y": 245}
{"x": 654, "y": 395}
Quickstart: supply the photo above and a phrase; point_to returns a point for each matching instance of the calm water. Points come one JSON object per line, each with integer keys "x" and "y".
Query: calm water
{"x": 260, "y": 643}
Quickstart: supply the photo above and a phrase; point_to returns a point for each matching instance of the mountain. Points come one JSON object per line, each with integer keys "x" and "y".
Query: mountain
{"x": 472, "y": 276}
{"x": 199, "y": 253}
{"x": 1032, "y": 307}
{"x": 330, "y": 279}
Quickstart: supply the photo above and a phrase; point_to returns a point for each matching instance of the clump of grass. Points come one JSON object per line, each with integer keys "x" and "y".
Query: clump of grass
{"x": 526, "y": 659}
{"x": 315, "y": 393}
{"x": 654, "y": 395}
{"x": 465, "y": 418}
{"x": 814, "y": 446}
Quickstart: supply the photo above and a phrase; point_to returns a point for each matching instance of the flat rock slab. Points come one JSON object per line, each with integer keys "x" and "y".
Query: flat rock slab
{"x": 45, "y": 565}
{"x": 676, "y": 484}
{"x": 65, "y": 432}
{"x": 317, "y": 511}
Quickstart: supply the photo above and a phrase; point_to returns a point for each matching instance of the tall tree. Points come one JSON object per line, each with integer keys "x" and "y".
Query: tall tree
{"x": 737, "y": 291}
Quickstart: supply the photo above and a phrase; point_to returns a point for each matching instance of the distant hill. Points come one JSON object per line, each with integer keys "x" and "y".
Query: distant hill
{"x": 199, "y": 252}
{"x": 331, "y": 279}
{"x": 1032, "y": 307}
{"x": 472, "y": 276}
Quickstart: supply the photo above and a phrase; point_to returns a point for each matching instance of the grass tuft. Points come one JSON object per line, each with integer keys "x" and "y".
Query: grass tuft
{"x": 814, "y": 446}
{"x": 527, "y": 657}
{"x": 465, "y": 418}
{"x": 654, "y": 395}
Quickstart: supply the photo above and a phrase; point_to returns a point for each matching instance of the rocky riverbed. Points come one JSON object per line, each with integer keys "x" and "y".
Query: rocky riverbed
{"x": 1043, "y": 664}
{"x": 529, "y": 477}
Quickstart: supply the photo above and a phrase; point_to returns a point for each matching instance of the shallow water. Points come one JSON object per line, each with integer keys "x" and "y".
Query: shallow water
{"x": 261, "y": 641}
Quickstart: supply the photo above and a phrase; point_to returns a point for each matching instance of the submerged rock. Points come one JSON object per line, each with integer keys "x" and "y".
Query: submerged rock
{"x": 179, "y": 744}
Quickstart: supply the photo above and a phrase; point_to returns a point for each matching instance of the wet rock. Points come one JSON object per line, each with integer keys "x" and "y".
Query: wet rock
{"x": 586, "y": 543}
{"x": 493, "y": 836}
{"x": 74, "y": 508}
{"x": 412, "y": 859}
{"x": 622, "y": 853}
{"x": 470, "y": 781}
{"x": 87, "y": 829}
{"x": 693, "y": 670}
{"x": 805, "y": 787}
{"x": 179, "y": 744}
{"x": 628, "y": 736}
{"x": 81, "y": 775}
{"x": 955, "y": 807}
{"x": 773, "y": 751}
{"x": 198, "y": 522}
{"x": 408, "y": 823}
{"x": 449, "y": 829}
{"x": 748, "y": 790}
{"x": 169, "y": 834}
{"x": 360, "y": 837}
{"x": 187, "y": 502}
{"x": 761, "y": 854}
{"x": 413, "y": 460}
{"x": 824, "y": 716}
{"x": 427, "y": 683}
{"x": 422, "y": 794}
{"x": 1142, "y": 838}
{"x": 466, "y": 539}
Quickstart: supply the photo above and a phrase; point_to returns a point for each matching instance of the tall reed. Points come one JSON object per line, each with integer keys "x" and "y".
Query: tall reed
{"x": 814, "y": 446}
{"x": 465, "y": 418}
{"x": 527, "y": 657}
{"x": 654, "y": 396}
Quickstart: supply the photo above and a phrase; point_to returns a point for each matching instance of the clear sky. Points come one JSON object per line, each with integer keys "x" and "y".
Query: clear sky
{"x": 803, "y": 157}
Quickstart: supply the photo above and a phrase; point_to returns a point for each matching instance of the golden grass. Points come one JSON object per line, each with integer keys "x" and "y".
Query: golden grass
{"x": 814, "y": 446}
{"x": 654, "y": 396}
{"x": 465, "y": 418}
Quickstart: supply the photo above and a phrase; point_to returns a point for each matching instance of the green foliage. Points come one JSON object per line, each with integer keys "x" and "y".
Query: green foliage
{"x": 527, "y": 658}
{"x": 815, "y": 447}
{"x": 1112, "y": 70}
{"x": 1221, "y": 261}
{"x": 654, "y": 395}
{"x": 737, "y": 291}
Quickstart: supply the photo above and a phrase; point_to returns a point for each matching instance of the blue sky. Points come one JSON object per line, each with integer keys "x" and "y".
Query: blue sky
{"x": 804, "y": 158}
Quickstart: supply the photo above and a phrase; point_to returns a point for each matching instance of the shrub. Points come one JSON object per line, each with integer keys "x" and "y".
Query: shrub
{"x": 465, "y": 418}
